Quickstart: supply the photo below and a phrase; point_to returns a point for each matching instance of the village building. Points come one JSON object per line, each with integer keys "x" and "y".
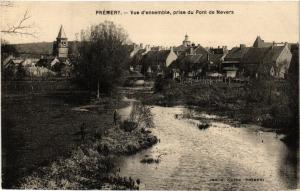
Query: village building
{"x": 276, "y": 62}
{"x": 231, "y": 63}
{"x": 41, "y": 59}
{"x": 133, "y": 49}
{"x": 266, "y": 62}
{"x": 197, "y": 62}
{"x": 60, "y": 46}
{"x": 136, "y": 55}
{"x": 155, "y": 62}
{"x": 17, "y": 68}
{"x": 189, "y": 66}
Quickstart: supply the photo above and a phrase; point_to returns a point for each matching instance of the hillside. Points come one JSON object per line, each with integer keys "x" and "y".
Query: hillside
{"x": 35, "y": 48}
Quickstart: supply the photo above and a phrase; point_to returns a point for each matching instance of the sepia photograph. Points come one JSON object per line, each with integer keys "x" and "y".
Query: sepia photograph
{"x": 152, "y": 95}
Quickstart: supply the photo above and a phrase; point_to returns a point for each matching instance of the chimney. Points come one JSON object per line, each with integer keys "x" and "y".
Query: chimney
{"x": 242, "y": 46}
{"x": 207, "y": 57}
{"x": 191, "y": 50}
{"x": 147, "y": 47}
{"x": 225, "y": 50}
{"x": 171, "y": 49}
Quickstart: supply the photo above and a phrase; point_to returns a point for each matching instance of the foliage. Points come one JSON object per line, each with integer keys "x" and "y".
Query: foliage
{"x": 20, "y": 72}
{"x": 141, "y": 115}
{"x": 7, "y": 48}
{"x": 159, "y": 84}
{"x": 128, "y": 125}
{"x": 102, "y": 56}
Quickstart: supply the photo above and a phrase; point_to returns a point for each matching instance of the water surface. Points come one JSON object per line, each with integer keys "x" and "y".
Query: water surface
{"x": 219, "y": 158}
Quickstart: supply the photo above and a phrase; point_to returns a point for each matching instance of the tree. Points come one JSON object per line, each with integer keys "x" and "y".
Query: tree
{"x": 102, "y": 57}
{"x": 7, "y": 49}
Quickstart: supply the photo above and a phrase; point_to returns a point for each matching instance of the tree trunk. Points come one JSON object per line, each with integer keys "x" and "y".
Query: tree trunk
{"x": 98, "y": 90}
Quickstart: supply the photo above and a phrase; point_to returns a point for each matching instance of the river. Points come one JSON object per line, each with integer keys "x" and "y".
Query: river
{"x": 221, "y": 157}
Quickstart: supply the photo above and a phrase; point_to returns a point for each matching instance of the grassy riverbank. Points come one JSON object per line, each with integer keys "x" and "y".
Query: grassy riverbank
{"x": 92, "y": 164}
{"x": 42, "y": 145}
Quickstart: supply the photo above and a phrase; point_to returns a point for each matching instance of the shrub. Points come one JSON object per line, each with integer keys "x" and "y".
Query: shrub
{"x": 129, "y": 125}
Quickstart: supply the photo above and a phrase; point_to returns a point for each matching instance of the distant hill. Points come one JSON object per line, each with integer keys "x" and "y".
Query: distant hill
{"x": 35, "y": 48}
{"x": 41, "y": 48}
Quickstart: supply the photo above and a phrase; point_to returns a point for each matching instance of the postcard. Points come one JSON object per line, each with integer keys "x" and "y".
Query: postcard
{"x": 160, "y": 95}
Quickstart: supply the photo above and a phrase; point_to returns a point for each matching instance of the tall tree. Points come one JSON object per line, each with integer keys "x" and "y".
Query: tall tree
{"x": 102, "y": 57}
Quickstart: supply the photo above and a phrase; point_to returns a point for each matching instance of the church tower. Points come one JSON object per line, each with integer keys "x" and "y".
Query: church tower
{"x": 186, "y": 41}
{"x": 60, "y": 46}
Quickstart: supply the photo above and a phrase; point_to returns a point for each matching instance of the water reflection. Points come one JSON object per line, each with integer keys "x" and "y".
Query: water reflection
{"x": 220, "y": 157}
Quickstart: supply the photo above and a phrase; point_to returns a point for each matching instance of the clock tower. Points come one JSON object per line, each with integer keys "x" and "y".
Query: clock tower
{"x": 60, "y": 46}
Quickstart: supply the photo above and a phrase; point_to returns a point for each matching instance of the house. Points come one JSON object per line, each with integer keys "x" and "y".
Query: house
{"x": 219, "y": 50}
{"x": 192, "y": 65}
{"x": 251, "y": 60}
{"x": 12, "y": 66}
{"x": 33, "y": 71}
{"x": 214, "y": 65}
{"x": 29, "y": 62}
{"x": 232, "y": 61}
{"x": 136, "y": 58}
{"x": 265, "y": 62}
{"x": 197, "y": 61}
{"x": 276, "y": 62}
{"x": 155, "y": 62}
{"x": 5, "y": 61}
{"x": 133, "y": 49}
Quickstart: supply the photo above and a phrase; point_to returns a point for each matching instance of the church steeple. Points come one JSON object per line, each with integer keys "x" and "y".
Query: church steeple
{"x": 60, "y": 46}
{"x": 258, "y": 42}
{"x": 61, "y": 33}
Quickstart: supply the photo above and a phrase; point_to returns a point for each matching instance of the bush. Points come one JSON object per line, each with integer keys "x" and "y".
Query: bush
{"x": 129, "y": 125}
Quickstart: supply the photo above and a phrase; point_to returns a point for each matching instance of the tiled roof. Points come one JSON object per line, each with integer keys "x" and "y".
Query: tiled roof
{"x": 154, "y": 57}
{"x": 200, "y": 50}
{"x": 216, "y": 58}
{"x": 273, "y": 54}
{"x": 193, "y": 59}
{"x": 181, "y": 48}
{"x": 190, "y": 62}
{"x": 254, "y": 55}
{"x": 236, "y": 53}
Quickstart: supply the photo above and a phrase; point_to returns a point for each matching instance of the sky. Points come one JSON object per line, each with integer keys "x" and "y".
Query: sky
{"x": 272, "y": 21}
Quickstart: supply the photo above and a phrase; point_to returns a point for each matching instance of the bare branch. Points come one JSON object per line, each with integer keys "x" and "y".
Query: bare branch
{"x": 21, "y": 27}
{"x": 6, "y": 3}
